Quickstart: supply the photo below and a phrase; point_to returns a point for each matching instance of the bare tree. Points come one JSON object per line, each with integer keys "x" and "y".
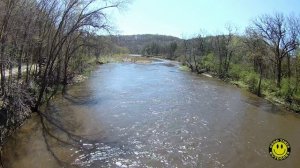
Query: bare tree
{"x": 224, "y": 51}
{"x": 195, "y": 50}
{"x": 76, "y": 16}
{"x": 258, "y": 50}
{"x": 279, "y": 35}
{"x": 7, "y": 10}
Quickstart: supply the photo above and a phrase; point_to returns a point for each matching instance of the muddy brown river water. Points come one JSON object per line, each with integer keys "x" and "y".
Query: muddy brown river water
{"x": 153, "y": 115}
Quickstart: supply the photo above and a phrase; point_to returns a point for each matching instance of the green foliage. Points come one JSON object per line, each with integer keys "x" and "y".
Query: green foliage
{"x": 269, "y": 86}
{"x": 235, "y": 72}
{"x": 289, "y": 91}
{"x": 209, "y": 62}
{"x": 285, "y": 90}
{"x": 184, "y": 68}
{"x": 249, "y": 78}
{"x": 252, "y": 80}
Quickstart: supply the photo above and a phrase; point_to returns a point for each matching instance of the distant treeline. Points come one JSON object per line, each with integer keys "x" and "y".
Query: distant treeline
{"x": 154, "y": 49}
{"x": 136, "y": 44}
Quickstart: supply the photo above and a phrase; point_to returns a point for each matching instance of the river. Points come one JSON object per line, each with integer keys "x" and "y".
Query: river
{"x": 153, "y": 115}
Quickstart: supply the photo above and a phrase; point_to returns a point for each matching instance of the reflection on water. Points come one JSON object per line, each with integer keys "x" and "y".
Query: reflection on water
{"x": 153, "y": 115}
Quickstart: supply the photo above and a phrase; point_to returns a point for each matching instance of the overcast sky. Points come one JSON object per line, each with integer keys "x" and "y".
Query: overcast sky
{"x": 183, "y": 18}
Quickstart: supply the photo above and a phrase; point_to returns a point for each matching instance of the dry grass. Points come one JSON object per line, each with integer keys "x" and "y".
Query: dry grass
{"x": 118, "y": 58}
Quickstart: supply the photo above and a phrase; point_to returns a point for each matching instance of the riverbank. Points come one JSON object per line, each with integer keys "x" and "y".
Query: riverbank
{"x": 119, "y": 58}
{"x": 7, "y": 130}
{"x": 249, "y": 81}
{"x": 268, "y": 94}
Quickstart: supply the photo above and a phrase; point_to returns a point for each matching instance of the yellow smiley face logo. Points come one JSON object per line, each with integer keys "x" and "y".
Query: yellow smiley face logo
{"x": 279, "y": 149}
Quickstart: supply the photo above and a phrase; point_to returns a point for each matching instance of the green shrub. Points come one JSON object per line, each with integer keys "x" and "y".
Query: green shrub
{"x": 269, "y": 85}
{"x": 287, "y": 91}
{"x": 285, "y": 87}
{"x": 252, "y": 80}
{"x": 235, "y": 72}
{"x": 209, "y": 62}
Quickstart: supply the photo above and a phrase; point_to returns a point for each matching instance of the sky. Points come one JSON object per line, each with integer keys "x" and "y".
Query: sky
{"x": 185, "y": 18}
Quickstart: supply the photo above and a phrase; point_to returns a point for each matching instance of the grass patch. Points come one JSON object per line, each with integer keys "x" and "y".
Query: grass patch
{"x": 119, "y": 58}
{"x": 184, "y": 68}
{"x": 239, "y": 84}
{"x": 285, "y": 96}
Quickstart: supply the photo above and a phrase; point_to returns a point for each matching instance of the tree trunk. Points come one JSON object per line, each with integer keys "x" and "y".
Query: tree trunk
{"x": 2, "y": 68}
{"x": 259, "y": 82}
{"x": 20, "y": 63}
{"x": 279, "y": 61}
{"x": 289, "y": 66}
{"x": 220, "y": 66}
{"x": 27, "y": 68}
